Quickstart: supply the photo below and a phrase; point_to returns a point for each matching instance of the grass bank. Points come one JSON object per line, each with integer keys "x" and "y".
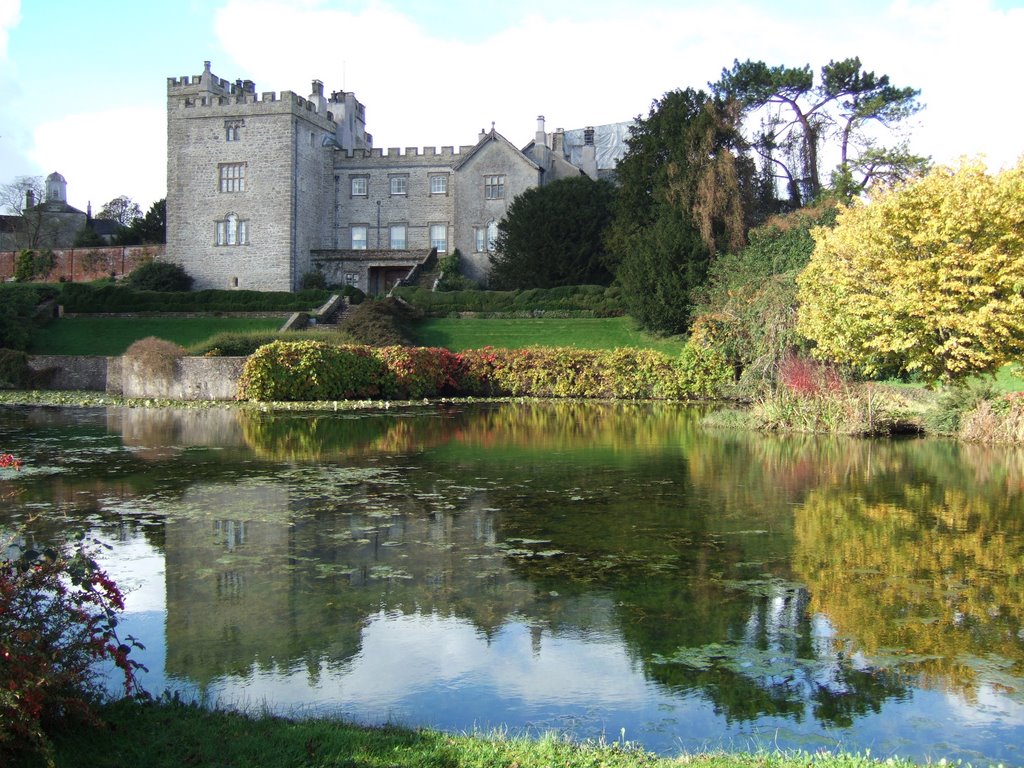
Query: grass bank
{"x": 459, "y": 334}
{"x": 173, "y": 735}
{"x": 113, "y": 335}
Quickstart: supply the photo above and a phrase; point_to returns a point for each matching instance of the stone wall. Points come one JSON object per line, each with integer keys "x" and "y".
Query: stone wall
{"x": 195, "y": 378}
{"x": 81, "y": 264}
{"x": 63, "y": 372}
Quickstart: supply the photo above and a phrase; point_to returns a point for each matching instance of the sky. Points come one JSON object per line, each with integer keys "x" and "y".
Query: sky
{"x": 83, "y": 85}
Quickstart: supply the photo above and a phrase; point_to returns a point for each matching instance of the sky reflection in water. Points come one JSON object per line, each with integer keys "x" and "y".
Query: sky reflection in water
{"x": 583, "y": 567}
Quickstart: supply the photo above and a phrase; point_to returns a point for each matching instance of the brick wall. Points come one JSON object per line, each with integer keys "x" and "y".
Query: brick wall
{"x": 81, "y": 264}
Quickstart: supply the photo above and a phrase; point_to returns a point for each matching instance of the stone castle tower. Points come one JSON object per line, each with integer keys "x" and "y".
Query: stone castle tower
{"x": 249, "y": 194}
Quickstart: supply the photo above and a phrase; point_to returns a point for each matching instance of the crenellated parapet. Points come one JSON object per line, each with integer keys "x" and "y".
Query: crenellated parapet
{"x": 410, "y": 155}
{"x": 209, "y": 92}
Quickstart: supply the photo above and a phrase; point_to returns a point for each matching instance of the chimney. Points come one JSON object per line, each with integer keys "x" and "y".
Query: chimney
{"x": 558, "y": 141}
{"x": 482, "y": 136}
{"x": 30, "y": 198}
{"x": 318, "y": 88}
{"x": 541, "y": 137}
{"x": 588, "y": 157}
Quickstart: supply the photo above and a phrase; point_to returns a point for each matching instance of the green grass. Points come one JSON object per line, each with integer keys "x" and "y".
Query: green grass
{"x": 166, "y": 735}
{"x": 113, "y": 335}
{"x": 585, "y": 333}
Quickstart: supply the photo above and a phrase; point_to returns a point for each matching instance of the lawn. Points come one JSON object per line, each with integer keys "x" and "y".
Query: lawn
{"x": 585, "y": 333}
{"x": 113, "y": 335}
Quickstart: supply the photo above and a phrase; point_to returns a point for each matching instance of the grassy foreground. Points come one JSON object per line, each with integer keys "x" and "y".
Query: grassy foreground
{"x": 166, "y": 735}
{"x": 113, "y": 335}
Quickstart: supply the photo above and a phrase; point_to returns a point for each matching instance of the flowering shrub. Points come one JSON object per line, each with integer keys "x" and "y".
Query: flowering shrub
{"x": 58, "y": 619}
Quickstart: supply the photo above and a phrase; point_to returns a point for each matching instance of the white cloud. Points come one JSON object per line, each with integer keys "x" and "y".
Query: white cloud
{"x": 106, "y": 154}
{"x": 421, "y": 89}
{"x": 10, "y": 16}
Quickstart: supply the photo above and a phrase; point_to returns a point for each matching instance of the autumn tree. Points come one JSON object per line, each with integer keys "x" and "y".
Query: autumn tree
{"x": 801, "y": 118}
{"x": 554, "y": 235}
{"x": 927, "y": 278}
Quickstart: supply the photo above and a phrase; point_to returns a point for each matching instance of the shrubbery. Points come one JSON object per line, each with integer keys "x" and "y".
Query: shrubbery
{"x": 243, "y": 344}
{"x": 382, "y": 322}
{"x": 84, "y": 298}
{"x": 58, "y": 617}
{"x": 19, "y": 312}
{"x": 154, "y": 358}
{"x": 311, "y": 370}
{"x": 303, "y": 371}
{"x": 160, "y": 276}
{"x": 14, "y": 370}
{"x": 594, "y": 300}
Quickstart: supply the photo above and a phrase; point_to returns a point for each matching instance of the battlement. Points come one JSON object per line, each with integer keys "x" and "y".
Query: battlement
{"x": 268, "y": 101}
{"x": 411, "y": 155}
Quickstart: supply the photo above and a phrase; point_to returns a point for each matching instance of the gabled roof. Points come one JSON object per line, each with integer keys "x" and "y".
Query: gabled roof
{"x": 487, "y": 139}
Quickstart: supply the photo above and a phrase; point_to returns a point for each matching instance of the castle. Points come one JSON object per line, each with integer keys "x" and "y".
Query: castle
{"x": 264, "y": 188}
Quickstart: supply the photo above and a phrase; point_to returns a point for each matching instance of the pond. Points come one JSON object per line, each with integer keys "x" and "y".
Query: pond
{"x": 606, "y": 570}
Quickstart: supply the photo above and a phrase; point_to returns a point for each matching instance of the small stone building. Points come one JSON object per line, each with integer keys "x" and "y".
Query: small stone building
{"x": 46, "y": 224}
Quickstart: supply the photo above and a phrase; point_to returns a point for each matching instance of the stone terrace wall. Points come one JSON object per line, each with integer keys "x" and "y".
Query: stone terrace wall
{"x": 195, "y": 378}
{"x": 81, "y": 264}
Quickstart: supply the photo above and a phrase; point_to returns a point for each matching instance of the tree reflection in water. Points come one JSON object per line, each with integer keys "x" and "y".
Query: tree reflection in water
{"x": 779, "y": 579}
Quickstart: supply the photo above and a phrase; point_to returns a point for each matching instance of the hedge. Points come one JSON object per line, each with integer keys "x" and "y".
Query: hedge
{"x": 594, "y": 300}
{"x": 85, "y": 298}
{"x": 309, "y": 370}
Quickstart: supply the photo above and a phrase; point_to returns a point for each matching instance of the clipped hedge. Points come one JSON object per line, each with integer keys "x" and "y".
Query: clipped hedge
{"x": 417, "y": 372}
{"x": 305, "y": 371}
{"x": 312, "y": 370}
{"x": 85, "y": 298}
{"x": 594, "y": 300}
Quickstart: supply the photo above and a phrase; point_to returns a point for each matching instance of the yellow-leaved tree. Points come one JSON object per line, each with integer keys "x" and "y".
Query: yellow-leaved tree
{"x": 926, "y": 278}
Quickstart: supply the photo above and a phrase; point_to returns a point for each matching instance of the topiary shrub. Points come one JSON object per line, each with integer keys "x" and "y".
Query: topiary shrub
{"x": 381, "y": 323}
{"x": 160, "y": 276}
{"x": 310, "y": 371}
{"x": 154, "y": 358}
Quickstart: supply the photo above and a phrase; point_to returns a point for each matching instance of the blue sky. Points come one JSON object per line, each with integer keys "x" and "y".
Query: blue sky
{"x": 83, "y": 85}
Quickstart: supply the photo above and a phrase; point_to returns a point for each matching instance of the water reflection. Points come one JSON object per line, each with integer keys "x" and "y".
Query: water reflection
{"x": 584, "y": 566}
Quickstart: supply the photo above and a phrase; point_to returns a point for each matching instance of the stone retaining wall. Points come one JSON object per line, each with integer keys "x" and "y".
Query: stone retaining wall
{"x": 195, "y": 378}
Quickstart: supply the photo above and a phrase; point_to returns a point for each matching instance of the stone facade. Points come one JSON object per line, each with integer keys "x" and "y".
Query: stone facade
{"x": 263, "y": 189}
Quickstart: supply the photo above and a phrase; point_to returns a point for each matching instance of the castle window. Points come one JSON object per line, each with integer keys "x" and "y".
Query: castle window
{"x": 439, "y": 185}
{"x": 397, "y": 237}
{"x": 232, "y": 177}
{"x": 492, "y": 236}
{"x": 232, "y": 129}
{"x": 486, "y": 238}
{"x": 399, "y": 185}
{"x": 494, "y": 187}
{"x": 352, "y": 278}
{"x": 231, "y": 231}
{"x": 359, "y": 237}
{"x": 439, "y": 237}
{"x": 359, "y": 185}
